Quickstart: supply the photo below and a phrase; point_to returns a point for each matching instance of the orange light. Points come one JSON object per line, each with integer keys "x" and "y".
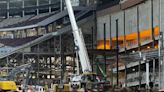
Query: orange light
{"x": 100, "y": 44}
{"x": 131, "y": 36}
{"x": 156, "y": 46}
{"x": 148, "y": 47}
{"x": 144, "y": 35}
{"x": 156, "y": 31}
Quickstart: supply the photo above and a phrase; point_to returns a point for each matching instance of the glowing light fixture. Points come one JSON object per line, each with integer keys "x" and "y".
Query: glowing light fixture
{"x": 156, "y": 46}
{"x": 33, "y": 77}
{"x": 48, "y": 76}
{"x": 148, "y": 47}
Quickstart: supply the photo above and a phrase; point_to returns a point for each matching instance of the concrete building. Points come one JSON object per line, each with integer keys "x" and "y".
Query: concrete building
{"x": 39, "y": 32}
{"x": 139, "y": 25}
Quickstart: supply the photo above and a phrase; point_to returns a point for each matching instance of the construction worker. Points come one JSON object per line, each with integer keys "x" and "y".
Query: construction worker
{"x": 30, "y": 88}
{"x": 46, "y": 87}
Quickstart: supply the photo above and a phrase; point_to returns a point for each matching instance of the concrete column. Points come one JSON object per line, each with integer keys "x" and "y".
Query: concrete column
{"x": 25, "y": 30}
{"x": 54, "y": 27}
{"x": 23, "y": 8}
{"x": 61, "y": 5}
{"x": 49, "y": 6}
{"x": 46, "y": 28}
{"x": 14, "y": 34}
{"x": 8, "y": 7}
{"x": 147, "y": 73}
{"x": 37, "y": 4}
{"x": 154, "y": 75}
{"x": 37, "y": 31}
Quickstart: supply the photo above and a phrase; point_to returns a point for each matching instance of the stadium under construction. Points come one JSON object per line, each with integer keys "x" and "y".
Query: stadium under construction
{"x": 120, "y": 42}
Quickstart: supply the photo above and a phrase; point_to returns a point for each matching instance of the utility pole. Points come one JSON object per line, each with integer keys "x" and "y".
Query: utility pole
{"x": 161, "y": 65}
{"x": 117, "y": 51}
{"x": 105, "y": 48}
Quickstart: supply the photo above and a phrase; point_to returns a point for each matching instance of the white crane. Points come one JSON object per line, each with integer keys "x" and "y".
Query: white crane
{"x": 79, "y": 40}
{"x": 80, "y": 81}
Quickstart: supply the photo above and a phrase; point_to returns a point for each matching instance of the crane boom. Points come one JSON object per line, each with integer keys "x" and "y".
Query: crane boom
{"x": 79, "y": 40}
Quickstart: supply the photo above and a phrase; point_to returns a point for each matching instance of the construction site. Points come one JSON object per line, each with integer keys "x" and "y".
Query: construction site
{"x": 81, "y": 46}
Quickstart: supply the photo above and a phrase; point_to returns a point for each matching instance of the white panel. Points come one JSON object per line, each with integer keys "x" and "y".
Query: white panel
{"x": 121, "y": 23}
{"x": 99, "y": 28}
{"x": 156, "y": 12}
{"x": 145, "y": 15}
{"x": 120, "y": 17}
{"x": 131, "y": 20}
{"x": 107, "y": 22}
{"x": 113, "y": 26}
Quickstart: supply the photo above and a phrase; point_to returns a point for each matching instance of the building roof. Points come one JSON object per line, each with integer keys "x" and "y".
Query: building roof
{"x": 121, "y": 6}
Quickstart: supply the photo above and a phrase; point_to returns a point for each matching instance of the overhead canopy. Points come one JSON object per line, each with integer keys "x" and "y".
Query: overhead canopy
{"x": 45, "y": 37}
{"x": 48, "y": 20}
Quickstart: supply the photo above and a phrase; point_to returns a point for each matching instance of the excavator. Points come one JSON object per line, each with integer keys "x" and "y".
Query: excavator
{"x": 87, "y": 81}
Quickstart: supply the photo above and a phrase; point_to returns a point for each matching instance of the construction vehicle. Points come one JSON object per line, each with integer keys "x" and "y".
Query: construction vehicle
{"x": 7, "y": 83}
{"x": 26, "y": 69}
{"x": 87, "y": 80}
